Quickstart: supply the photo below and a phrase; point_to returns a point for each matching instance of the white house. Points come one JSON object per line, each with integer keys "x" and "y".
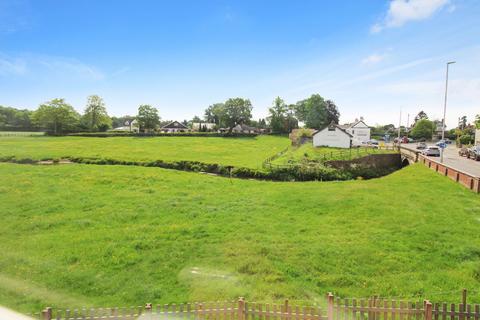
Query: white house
{"x": 130, "y": 126}
{"x": 174, "y": 126}
{"x": 332, "y": 136}
{"x": 359, "y": 130}
{"x": 477, "y": 137}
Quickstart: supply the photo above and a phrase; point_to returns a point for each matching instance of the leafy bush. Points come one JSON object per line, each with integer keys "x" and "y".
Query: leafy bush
{"x": 160, "y": 134}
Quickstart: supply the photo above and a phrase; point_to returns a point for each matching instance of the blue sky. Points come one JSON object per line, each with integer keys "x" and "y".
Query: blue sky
{"x": 371, "y": 57}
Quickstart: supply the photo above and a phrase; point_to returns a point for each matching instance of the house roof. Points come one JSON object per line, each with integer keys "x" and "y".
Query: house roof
{"x": 245, "y": 127}
{"x": 174, "y": 125}
{"x": 353, "y": 124}
{"x": 331, "y": 125}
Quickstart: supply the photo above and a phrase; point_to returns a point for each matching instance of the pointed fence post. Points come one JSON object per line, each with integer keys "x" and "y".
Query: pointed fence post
{"x": 241, "y": 308}
{"x": 47, "y": 313}
{"x": 330, "y": 306}
{"x": 428, "y": 310}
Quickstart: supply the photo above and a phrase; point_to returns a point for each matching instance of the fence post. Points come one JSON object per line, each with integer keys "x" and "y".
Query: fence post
{"x": 47, "y": 313}
{"x": 330, "y": 306}
{"x": 241, "y": 308}
{"x": 148, "y": 308}
{"x": 428, "y": 310}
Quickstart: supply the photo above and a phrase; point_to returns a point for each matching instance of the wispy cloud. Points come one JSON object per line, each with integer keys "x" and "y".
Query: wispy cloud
{"x": 50, "y": 66}
{"x": 71, "y": 66}
{"x": 402, "y": 11}
{"x": 10, "y": 67}
{"x": 120, "y": 71}
{"x": 373, "y": 59}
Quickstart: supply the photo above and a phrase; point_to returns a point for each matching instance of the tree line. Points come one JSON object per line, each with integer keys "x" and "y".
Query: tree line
{"x": 59, "y": 117}
{"x": 424, "y": 128}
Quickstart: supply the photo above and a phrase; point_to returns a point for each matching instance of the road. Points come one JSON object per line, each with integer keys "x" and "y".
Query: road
{"x": 452, "y": 159}
{"x": 7, "y": 314}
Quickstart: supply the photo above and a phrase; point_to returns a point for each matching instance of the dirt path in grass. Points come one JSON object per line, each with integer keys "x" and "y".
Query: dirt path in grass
{"x": 7, "y": 314}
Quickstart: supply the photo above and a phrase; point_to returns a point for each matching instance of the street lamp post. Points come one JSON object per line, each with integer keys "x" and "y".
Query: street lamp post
{"x": 445, "y": 109}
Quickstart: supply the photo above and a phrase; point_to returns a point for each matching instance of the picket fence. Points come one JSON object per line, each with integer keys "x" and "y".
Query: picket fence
{"x": 335, "y": 309}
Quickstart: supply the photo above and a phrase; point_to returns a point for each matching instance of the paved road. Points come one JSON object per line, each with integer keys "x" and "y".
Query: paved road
{"x": 7, "y": 314}
{"x": 451, "y": 158}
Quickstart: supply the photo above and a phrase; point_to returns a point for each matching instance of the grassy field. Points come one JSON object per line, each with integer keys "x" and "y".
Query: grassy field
{"x": 82, "y": 235}
{"x": 244, "y": 152}
{"x": 308, "y": 153}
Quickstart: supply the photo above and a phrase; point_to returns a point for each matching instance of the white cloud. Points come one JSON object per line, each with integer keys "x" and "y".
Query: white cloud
{"x": 72, "y": 66}
{"x": 403, "y": 11}
{"x": 373, "y": 59}
{"x": 12, "y": 66}
{"x": 40, "y": 66}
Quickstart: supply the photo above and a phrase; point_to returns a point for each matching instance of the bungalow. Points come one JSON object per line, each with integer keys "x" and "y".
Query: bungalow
{"x": 332, "y": 136}
{"x": 359, "y": 130}
{"x": 240, "y": 128}
{"x": 199, "y": 126}
{"x": 130, "y": 126}
{"x": 174, "y": 126}
{"x": 243, "y": 128}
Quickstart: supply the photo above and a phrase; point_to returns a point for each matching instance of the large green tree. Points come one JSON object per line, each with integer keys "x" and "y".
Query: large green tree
{"x": 333, "y": 115}
{"x": 15, "y": 119}
{"x": 313, "y": 111}
{"x": 420, "y": 116}
{"x": 95, "y": 116}
{"x": 56, "y": 116}
{"x": 281, "y": 117}
{"x": 148, "y": 117}
{"x": 423, "y": 129}
{"x": 477, "y": 121}
{"x": 214, "y": 113}
{"x": 236, "y": 111}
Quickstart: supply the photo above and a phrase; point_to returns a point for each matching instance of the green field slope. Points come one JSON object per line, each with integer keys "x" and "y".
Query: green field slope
{"x": 80, "y": 235}
{"x": 242, "y": 152}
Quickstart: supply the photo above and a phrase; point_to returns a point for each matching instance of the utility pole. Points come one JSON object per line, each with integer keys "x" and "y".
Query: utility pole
{"x": 445, "y": 110}
{"x": 399, "y": 125}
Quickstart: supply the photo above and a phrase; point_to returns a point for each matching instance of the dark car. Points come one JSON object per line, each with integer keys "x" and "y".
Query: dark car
{"x": 474, "y": 153}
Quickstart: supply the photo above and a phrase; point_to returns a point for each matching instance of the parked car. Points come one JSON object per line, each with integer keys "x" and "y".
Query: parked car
{"x": 474, "y": 153}
{"x": 372, "y": 142}
{"x": 431, "y": 151}
{"x": 401, "y": 140}
{"x": 463, "y": 152}
{"x": 441, "y": 142}
{"x": 421, "y": 145}
{"x": 448, "y": 141}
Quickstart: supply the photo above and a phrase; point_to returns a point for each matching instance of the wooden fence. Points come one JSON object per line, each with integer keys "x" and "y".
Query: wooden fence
{"x": 336, "y": 309}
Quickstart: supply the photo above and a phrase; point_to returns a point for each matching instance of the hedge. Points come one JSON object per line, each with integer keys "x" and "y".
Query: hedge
{"x": 294, "y": 173}
{"x": 160, "y": 134}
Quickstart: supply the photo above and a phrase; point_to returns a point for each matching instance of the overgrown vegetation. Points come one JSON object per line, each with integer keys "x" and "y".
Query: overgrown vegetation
{"x": 307, "y": 154}
{"x": 82, "y": 235}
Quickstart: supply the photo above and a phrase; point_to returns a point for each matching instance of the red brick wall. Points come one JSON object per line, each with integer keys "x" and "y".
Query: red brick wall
{"x": 468, "y": 181}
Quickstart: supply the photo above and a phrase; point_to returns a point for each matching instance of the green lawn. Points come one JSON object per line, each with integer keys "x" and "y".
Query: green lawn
{"x": 307, "y": 153}
{"x": 82, "y": 235}
{"x": 243, "y": 152}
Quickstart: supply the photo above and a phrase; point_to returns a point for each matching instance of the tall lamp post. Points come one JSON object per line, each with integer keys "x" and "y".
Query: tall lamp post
{"x": 445, "y": 109}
